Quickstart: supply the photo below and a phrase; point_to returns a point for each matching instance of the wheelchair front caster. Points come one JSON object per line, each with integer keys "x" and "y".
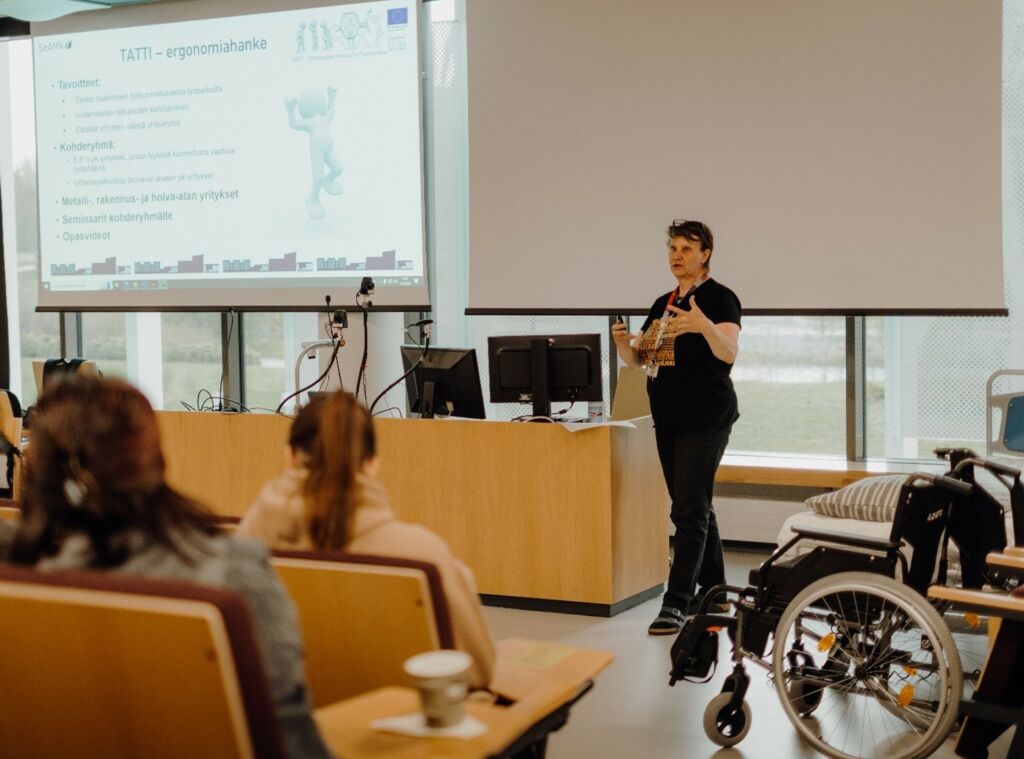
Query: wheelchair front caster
{"x": 805, "y": 696}
{"x": 726, "y": 725}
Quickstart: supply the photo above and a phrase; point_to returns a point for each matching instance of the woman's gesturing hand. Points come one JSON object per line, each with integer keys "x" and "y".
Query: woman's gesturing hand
{"x": 682, "y": 322}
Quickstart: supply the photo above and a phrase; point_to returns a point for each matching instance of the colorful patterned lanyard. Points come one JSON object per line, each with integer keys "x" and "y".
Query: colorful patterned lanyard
{"x": 674, "y": 298}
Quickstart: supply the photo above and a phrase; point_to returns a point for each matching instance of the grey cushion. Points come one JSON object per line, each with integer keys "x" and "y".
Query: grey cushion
{"x": 872, "y": 499}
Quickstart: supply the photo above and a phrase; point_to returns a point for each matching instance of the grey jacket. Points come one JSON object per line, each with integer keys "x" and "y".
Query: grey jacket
{"x": 241, "y": 565}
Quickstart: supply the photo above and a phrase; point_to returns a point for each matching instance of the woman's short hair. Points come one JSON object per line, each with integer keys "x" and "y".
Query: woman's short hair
{"x": 334, "y": 438}
{"x": 695, "y": 231}
{"x": 95, "y": 467}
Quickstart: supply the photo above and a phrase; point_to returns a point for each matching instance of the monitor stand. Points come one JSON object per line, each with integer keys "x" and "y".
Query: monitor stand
{"x": 427, "y": 401}
{"x": 539, "y": 378}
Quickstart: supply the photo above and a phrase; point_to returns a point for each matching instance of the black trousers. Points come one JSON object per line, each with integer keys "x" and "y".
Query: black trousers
{"x": 689, "y": 461}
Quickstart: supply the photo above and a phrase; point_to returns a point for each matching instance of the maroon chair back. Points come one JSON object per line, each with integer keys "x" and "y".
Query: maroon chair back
{"x": 114, "y": 665}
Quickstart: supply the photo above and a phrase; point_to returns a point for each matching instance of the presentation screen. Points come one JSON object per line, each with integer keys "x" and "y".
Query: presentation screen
{"x": 845, "y": 160}
{"x": 258, "y": 161}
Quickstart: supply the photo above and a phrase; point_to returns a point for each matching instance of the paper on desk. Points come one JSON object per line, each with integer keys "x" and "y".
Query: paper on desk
{"x": 579, "y": 426}
{"x": 415, "y": 725}
{"x": 571, "y": 426}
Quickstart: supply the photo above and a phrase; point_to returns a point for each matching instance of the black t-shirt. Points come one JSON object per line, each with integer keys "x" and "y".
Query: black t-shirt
{"x": 695, "y": 394}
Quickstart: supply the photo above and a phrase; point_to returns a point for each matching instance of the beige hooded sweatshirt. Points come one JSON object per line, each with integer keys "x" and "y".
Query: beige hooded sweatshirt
{"x": 278, "y": 517}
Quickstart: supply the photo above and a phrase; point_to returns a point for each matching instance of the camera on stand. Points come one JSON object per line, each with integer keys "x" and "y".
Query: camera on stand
{"x": 337, "y": 324}
{"x": 364, "y": 294}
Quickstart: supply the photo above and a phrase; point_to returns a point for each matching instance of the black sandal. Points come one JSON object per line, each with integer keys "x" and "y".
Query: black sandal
{"x": 668, "y": 622}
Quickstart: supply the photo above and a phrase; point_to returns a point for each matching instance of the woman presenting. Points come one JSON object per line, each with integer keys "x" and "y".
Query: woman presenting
{"x": 688, "y": 345}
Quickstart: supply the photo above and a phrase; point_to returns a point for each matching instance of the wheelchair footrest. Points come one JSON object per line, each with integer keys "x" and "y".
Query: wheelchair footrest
{"x": 695, "y": 650}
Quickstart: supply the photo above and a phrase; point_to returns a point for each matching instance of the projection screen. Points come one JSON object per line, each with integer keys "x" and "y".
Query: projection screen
{"x": 263, "y": 160}
{"x": 847, "y": 155}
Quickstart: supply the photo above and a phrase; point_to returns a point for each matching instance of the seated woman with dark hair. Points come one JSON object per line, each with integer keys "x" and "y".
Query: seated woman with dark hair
{"x": 94, "y": 497}
{"x": 330, "y": 498}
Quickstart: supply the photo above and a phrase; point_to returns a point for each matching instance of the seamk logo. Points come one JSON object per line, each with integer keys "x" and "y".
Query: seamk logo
{"x": 62, "y": 45}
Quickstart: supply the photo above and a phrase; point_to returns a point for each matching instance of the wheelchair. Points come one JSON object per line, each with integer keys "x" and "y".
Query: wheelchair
{"x": 863, "y": 663}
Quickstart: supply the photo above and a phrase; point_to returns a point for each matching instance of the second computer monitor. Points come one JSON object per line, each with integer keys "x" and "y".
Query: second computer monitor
{"x": 539, "y": 369}
{"x": 447, "y": 383}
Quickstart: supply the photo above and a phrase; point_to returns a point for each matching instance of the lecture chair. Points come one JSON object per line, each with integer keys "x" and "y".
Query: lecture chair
{"x": 362, "y": 617}
{"x": 1009, "y": 563}
{"x": 997, "y": 703}
{"x": 1004, "y": 433}
{"x": 42, "y": 376}
{"x": 10, "y": 426}
{"x": 105, "y": 665}
{"x": 9, "y": 510}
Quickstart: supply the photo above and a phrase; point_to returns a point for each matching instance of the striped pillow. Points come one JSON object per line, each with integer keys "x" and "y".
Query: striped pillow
{"x": 872, "y": 499}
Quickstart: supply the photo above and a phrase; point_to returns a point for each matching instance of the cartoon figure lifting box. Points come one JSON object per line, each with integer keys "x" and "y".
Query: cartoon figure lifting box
{"x": 317, "y": 111}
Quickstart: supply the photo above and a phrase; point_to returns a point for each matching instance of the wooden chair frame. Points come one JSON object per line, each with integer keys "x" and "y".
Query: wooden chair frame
{"x": 362, "y": 617}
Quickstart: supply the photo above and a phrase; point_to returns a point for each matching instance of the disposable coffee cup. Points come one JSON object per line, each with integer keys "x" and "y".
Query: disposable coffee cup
{"x": 442, "y": 678}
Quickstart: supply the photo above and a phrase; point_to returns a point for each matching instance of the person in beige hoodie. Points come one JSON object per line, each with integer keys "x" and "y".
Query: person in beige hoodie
{"x": 329, "y": 497}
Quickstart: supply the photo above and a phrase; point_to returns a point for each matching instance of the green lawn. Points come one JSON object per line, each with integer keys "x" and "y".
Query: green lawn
{"x": 791, "y": 417}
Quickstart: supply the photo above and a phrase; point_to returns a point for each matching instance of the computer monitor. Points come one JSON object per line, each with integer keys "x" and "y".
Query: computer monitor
{"x": 539, "y": 369}
{"x": 447, "y": 383}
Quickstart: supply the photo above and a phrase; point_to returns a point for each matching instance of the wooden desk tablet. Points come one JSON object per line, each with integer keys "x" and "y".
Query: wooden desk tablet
{"x": 345, "y": 727}
{"x": 1012, "y": 562}
{"x": 549, "y": 677}
{"x": 987, "y": 602}
{"x": 524, "y": 665}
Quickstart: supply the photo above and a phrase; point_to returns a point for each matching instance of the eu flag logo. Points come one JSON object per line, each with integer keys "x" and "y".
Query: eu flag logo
{"x": 398, "y": 16}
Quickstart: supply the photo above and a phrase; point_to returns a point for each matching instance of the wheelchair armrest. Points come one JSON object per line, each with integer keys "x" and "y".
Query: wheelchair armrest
{"x": 992, "y": 466}
{"x": 859, "y": 541}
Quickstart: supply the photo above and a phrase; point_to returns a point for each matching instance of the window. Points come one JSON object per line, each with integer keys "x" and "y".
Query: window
{"x": 103, "y": 341}
{"x": 790, "y": 380}
{"x": 32, "y": 336}
{"x": 272, "y": 343}
{"x": 191, "y": 348}
{"x": 927, "y": 375}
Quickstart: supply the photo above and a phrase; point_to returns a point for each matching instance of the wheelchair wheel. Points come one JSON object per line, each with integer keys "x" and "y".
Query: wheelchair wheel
{"x": 725, "y": 726}
{"x": 879, "y": 661}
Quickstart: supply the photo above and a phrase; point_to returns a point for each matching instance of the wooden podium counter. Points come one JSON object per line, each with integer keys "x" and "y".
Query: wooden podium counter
{"x": 546, "y": 518}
